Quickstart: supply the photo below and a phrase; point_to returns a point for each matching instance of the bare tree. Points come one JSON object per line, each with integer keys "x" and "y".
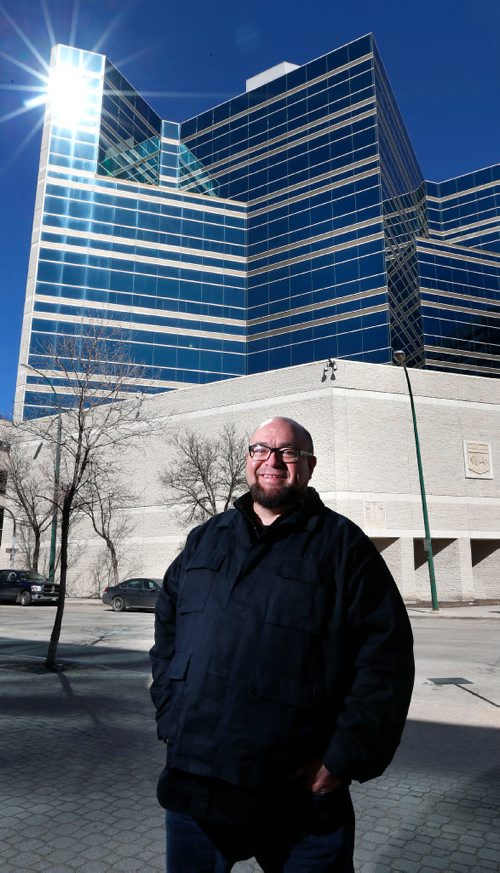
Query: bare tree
{"x": 100, "y": 415}
{"x": 74, "y": 551}
{"x": 25, "y": 547}
{"x": 29, "y": 490}
{"x": 207, "y": 473}
{"x": 104, "y": 502}
{"x": 129, "y": 564}
{"x": 28, "y": 553}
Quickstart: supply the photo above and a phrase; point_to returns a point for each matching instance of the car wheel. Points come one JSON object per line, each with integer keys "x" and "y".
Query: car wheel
{"x": 25, "y": 598}
{"x": 118, "y": 604}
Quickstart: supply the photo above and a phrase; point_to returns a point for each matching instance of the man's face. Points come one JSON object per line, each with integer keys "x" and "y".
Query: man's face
{"x": 275, "y": 483}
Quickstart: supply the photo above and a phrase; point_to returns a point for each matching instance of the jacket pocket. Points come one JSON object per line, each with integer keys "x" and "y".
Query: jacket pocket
{"x": 176, "y": 672}
{"x": 198, "y": 578}
{"x": 178, "y": 666}
{"x": 296, "y": 596}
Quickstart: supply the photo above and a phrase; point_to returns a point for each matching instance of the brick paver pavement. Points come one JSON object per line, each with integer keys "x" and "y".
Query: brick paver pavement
{"x": 79, "y": 763}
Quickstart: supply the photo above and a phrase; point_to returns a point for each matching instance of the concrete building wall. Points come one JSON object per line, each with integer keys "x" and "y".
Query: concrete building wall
{"x": 361, "y": 424}
{"x": 5, "y": 519}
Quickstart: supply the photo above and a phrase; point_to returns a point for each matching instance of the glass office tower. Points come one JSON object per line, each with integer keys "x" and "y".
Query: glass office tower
{"x": 289, "y": 224}
{"x": 335, "y": 197}
{"x": 460, "y": 274}
{"x": 117, "y": 242}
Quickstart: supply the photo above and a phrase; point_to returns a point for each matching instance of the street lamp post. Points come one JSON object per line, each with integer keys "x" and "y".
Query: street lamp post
{"x": 400, "y": 358}
{"x": 57, "y": 475}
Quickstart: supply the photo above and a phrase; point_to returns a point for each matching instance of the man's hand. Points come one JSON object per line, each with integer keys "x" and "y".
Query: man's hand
{"x": 323, "y": 781}
{"x": 317, "y": 778}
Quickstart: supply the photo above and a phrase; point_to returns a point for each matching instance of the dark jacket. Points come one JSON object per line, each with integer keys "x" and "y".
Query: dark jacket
{"x": 278, "y": 645}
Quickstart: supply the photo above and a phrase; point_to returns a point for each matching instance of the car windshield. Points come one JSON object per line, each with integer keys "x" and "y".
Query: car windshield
{"x": 31, "y": 574}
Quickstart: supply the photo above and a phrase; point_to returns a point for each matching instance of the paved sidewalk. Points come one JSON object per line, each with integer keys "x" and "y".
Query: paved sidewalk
{"x": 79, "y": 763}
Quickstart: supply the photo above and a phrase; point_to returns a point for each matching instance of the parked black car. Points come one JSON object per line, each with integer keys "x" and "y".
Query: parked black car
{"x": 27, "y": 587}
{"x": 135, "y": 593}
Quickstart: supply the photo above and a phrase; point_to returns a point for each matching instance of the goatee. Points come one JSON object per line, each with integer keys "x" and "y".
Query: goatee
{"x": 284, "y": 497}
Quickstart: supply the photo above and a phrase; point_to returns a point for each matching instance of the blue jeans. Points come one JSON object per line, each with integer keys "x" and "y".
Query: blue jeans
{"x": 320, "y": 844}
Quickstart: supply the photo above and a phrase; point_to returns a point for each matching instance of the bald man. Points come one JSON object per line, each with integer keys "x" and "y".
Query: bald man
{"x": 282, "y": 670}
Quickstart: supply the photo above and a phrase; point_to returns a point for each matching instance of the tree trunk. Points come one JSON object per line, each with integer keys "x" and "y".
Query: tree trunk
{"x": 114, "y": 561}
{"x": 36, "y": 551}
{"x": 50, "y": 661}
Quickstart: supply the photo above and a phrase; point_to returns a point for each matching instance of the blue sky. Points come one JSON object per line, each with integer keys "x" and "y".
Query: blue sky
{"x": 442, "y": 59}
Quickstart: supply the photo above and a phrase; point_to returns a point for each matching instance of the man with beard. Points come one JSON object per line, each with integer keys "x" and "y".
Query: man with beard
{"x": 282, "y": 670}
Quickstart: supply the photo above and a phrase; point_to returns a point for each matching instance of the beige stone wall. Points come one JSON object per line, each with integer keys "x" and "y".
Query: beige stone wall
{"x": 362, "y": 428}
{"x": 6, "y": 532}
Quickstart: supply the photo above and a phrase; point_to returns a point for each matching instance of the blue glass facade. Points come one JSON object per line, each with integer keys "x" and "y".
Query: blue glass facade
{"x": 466, "y": 210}
{"x": 302, "y": 153}
{"x": 289, "y": 224}
{"x": 459, "y": 270}
{"x": 161, "y": 270}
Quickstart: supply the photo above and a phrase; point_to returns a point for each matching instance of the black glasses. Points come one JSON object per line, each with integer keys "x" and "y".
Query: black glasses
{"x": 288, "y": 454}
